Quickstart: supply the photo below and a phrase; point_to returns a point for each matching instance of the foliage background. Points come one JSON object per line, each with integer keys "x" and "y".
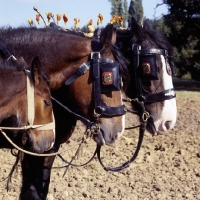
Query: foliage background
{"x": 181, "y": 26}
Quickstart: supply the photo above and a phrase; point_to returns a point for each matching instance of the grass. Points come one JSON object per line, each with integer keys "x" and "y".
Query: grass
{"x": 188, "y": 94}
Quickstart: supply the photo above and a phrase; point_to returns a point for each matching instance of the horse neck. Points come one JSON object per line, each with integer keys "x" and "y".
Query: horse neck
{"x": 60, "y": 53}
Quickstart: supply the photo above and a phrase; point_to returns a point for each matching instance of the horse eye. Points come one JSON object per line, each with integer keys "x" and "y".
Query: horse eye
{"x": 47, "y": 102}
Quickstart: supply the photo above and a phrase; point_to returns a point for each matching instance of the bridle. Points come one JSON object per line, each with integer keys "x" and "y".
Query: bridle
{"x": 106, "y": 78}
{"x": 144, "y": 61}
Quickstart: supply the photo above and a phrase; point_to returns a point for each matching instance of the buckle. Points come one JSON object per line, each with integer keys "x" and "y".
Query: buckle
{"x": 95, "y": 55}
{"x": 82, "y": 69}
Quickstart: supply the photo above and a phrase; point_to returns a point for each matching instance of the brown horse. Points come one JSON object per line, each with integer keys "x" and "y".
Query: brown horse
{"x": 151, "y": 70}
{"x": 61, "y": 55}
{"x": 16, "y": 111}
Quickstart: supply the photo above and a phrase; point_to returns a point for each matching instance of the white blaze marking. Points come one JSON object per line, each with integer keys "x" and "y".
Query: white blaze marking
{"x": 169, "y": 111}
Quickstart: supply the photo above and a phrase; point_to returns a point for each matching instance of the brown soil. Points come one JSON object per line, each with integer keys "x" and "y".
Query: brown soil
{"x": 168, "y": 166}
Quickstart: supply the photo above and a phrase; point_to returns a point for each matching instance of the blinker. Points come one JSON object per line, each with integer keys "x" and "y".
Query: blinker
{"x": 146, "y": 68}
{"x": 107, "y": 78}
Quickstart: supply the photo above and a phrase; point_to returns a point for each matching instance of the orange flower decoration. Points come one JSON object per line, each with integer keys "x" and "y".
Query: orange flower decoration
{"x": 76, "y": 22}
{"x": 100, "y": 19}
{"x": 120, "y": 18}
{"x": 65, "y": 19}
{"x": 114, "y": 20}
{"x": 49, "y": 16}
{"x": 38, "y": 18}
{"x": 58, "y": 18}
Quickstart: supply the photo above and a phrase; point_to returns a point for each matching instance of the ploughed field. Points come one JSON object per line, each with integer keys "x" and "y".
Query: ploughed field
{"x": 168, "y": 166}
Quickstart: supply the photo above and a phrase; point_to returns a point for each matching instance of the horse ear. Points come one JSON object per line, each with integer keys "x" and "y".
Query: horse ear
{"x": 21, "y": 63}
{"x": 108, "y": 36}
{"x": 147, "y": 26}
{"x": 36, "y": 70}
{"x": 134, "y": 24}
{"x": 136, "y": 28}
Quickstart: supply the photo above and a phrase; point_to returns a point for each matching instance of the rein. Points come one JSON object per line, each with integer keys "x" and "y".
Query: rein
{"x": 144, "y": 116}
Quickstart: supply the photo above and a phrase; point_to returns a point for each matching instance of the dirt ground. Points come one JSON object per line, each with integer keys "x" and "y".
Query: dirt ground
{"x": 168, "y": 166}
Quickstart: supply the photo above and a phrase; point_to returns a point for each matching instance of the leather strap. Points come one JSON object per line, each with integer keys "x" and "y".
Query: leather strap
{"x": 152, "y": 51}
{"x": 79, "y": 72}
{"x": 30, "y": 98}
{"x": 96, "y": 84}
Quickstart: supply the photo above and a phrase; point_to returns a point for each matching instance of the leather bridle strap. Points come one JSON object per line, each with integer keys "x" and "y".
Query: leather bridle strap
{"x": 96, "y": 83}
{"x": 153, "y": 51}
{"x": 31, "y": 107}
{"x": 30, "y": 97}
{"x": 160, "y": 96}
{"x": 139, "y": 144}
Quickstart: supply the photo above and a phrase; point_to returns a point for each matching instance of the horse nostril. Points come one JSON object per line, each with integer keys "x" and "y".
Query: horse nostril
{"x": 168, "y": 124}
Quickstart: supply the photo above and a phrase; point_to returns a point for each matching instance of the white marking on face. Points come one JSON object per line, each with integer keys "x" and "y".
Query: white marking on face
{"x": 169, "y": 110}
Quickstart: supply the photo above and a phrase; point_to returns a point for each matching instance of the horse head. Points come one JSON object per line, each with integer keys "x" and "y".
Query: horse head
{"x": 26, "y": 104}
{"x": 151, "y": 71}
{"x": 99, "y": 90}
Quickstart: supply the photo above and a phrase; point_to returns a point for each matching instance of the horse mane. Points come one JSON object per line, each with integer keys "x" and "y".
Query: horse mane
{"x": 140, "y": 34}
{"x": 29, "y": 31}
{"x": 159, "y": 39}
{"x": 123, "y": 63}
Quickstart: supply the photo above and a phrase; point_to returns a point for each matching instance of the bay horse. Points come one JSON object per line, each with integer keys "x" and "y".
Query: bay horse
{"x": 151, "y": 69}
{"x": 62, "y": 55}
{"x": 19, "y": 113}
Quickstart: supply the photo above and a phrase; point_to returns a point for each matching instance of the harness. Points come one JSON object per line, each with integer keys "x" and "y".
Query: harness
{"x": 144, "y": 69}
{"x": 106, "y": 79}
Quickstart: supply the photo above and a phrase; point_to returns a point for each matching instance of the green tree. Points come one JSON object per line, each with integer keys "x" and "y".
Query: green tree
{"x": 114, "y": 7}
{"x": 183, "y": 20}
{"x": 125, "y": 13}
{"x": 135, "y": 10}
